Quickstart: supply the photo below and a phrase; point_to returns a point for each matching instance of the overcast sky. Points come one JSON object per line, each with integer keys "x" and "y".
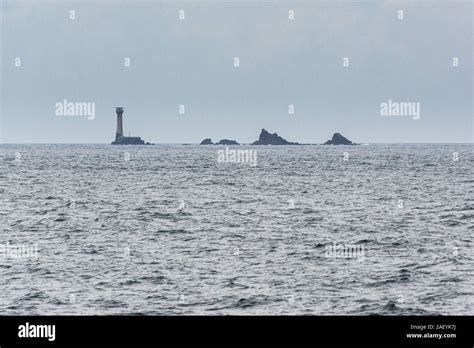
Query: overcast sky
{"x": 190, "y": 62}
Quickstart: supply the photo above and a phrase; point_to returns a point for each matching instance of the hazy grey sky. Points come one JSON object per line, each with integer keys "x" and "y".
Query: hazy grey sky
{"x": 282, "y": 62}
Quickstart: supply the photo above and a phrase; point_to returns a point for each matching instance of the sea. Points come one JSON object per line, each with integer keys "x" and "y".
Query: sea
{"x": 172, "y": 230}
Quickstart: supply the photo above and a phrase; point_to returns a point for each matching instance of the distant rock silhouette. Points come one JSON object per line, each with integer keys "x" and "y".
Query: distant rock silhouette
{"x": 227, "y": 142}
{"x": 266, "y": 138}
{"x": 338, "y": 139}
{"x": 206, "y": 141}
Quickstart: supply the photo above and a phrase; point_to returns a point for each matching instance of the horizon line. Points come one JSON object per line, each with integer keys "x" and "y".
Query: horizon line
{"x": 300, "y": 144}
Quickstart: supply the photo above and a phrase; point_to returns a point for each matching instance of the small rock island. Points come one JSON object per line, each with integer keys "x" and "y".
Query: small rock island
{"x": 208, "y": 141}
{"x": 266, "y": 138}
{"x": 338, "y": 139}
{"x": 227, "y": 142}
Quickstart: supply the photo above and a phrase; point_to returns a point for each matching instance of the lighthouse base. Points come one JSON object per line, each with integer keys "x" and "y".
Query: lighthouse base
{"x": 121, "y": 140}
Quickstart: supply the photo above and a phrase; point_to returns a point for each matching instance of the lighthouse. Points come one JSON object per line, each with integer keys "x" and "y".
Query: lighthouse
{"x": 120, "y": 139}
{"x": 119, "y": 131}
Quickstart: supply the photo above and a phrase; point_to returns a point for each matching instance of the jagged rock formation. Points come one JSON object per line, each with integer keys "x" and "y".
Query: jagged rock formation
{"x": 227, "y": 142}
{"x": 206, "y": 141}
{"x": 338, "y": 139}
{"x": 266, "y": 138}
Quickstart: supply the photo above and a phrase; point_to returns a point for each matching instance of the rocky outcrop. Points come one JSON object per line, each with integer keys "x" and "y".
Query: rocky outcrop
{"x": 266, "y": 138}
{"x": 227, "y": 142}
{"x": 206, "y": 141}
{"x": 338, "y": 139}
{"x": 121, "y": 140}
